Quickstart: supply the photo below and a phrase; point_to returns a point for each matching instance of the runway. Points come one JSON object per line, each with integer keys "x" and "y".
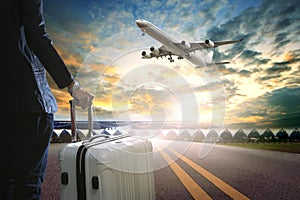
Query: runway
{"x": 231, "y": 173}
{"x": 206, "y": 171}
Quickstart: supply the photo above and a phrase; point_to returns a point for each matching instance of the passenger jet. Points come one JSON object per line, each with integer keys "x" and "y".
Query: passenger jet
{"x": 182, "y": 49}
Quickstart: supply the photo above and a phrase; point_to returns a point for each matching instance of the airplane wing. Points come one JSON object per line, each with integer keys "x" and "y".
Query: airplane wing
{"x": 190, "y": 47}
{"x": 164, "y": 52}
{"x": 216, "y": 44}
{"x": 157, "y": 53}
{"x": 210, "y": 44}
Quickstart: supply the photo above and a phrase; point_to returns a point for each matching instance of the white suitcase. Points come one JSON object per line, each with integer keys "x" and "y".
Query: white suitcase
{"x": 107, "y": 168}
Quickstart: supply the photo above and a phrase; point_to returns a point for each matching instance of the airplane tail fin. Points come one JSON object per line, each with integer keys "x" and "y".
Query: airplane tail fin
{"x": 208, "y": 57}
{"x": 208, "y": 60}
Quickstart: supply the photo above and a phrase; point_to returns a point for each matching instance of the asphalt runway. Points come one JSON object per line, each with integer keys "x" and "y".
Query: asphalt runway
{"x": 233, "y": 173}
{"x": 207, "y": 171}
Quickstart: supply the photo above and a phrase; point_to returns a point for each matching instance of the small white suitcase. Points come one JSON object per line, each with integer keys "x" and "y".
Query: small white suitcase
{"x": 107, "y": 168}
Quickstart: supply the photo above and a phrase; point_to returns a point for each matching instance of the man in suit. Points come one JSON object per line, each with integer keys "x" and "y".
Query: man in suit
{"x": 27, "y": 104}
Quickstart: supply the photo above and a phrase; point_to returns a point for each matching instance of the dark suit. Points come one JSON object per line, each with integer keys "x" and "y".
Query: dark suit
{"x": 27, "y": 104}
{"x": 23, "y": 85}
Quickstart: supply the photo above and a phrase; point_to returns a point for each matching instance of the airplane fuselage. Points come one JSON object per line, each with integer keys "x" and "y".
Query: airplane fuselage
{"x": 169, "y": 42}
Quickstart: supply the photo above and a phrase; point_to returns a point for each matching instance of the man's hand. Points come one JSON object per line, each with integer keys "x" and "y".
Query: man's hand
{"x": 82, "y": 97}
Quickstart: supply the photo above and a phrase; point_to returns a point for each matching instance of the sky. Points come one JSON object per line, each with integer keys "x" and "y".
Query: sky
{"x": 101, "y": 45}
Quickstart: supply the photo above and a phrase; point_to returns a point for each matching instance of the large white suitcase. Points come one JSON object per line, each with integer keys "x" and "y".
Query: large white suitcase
{"x": 107, "y": 168}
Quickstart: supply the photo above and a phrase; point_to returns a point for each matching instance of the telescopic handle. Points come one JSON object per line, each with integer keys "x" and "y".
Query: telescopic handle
{"x": 75, "y": 137}
{"x": 90, "y": 122}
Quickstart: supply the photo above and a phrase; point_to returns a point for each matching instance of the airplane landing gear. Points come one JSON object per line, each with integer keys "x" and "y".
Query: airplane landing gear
{"x": 188, "y": 56}
{"x": 171, "y": 59}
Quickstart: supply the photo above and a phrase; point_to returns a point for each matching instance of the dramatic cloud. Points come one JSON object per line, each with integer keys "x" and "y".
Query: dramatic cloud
{"x": 278, "y": 108}
{"x": 278, "y": 68}
{"x": 101, "y": 45}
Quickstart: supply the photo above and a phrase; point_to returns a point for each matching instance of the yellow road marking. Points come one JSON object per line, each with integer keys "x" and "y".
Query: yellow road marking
{"x": 227, "y": 189}
{"x": 194, "y": 189}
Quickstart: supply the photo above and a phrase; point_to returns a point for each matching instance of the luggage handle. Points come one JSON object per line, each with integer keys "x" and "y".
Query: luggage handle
{"x": 90, "y": 122}
{"x": 95, "y": 137}
{"x": 75, "y": 137}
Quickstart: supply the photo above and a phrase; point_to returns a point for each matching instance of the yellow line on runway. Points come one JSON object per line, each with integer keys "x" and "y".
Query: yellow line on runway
{"x": 227, "y": 189}
{"x": 194, "y": 189}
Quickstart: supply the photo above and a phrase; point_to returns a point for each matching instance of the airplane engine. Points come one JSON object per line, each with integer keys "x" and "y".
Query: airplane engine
{"x": 185, "y": 44}
{"x": 154, "y": 51}
{"x": 209, "y": 43}
{"x": 145, "y": 55}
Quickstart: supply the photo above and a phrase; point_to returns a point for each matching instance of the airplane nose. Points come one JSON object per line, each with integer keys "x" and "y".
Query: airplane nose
{"x": 140, "y": 23}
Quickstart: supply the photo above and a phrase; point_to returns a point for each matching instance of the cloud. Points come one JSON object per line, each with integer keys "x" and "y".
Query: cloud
{"x": 249, "y": 54}
{"x": 292, "y": 57}
{"x": 268, "y": 77}
{"x": 278, "y": 68}
{"x": 278, "y": 98}
{"x": 281, "y": 39}
{"x": 287, "y": 16}
{"x": 209, "y": 86}
{"x": 245, "y": 73}
{"x": 104, "y": 113}
{"x": 279, "y": 108}
{"x": 230, "y": 88}
{"x": 264, "y": 63}
{"x": 226, "y": 70}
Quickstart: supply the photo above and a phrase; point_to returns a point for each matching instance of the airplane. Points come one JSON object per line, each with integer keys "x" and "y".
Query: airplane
{"x": 182, "y": 49}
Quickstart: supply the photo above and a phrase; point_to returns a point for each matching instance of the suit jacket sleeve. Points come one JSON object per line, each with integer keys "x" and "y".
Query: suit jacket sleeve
{"x": 40, "y": 43}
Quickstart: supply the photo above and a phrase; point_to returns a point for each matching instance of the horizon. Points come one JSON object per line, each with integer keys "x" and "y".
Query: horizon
{"x": 232, "y": 127}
